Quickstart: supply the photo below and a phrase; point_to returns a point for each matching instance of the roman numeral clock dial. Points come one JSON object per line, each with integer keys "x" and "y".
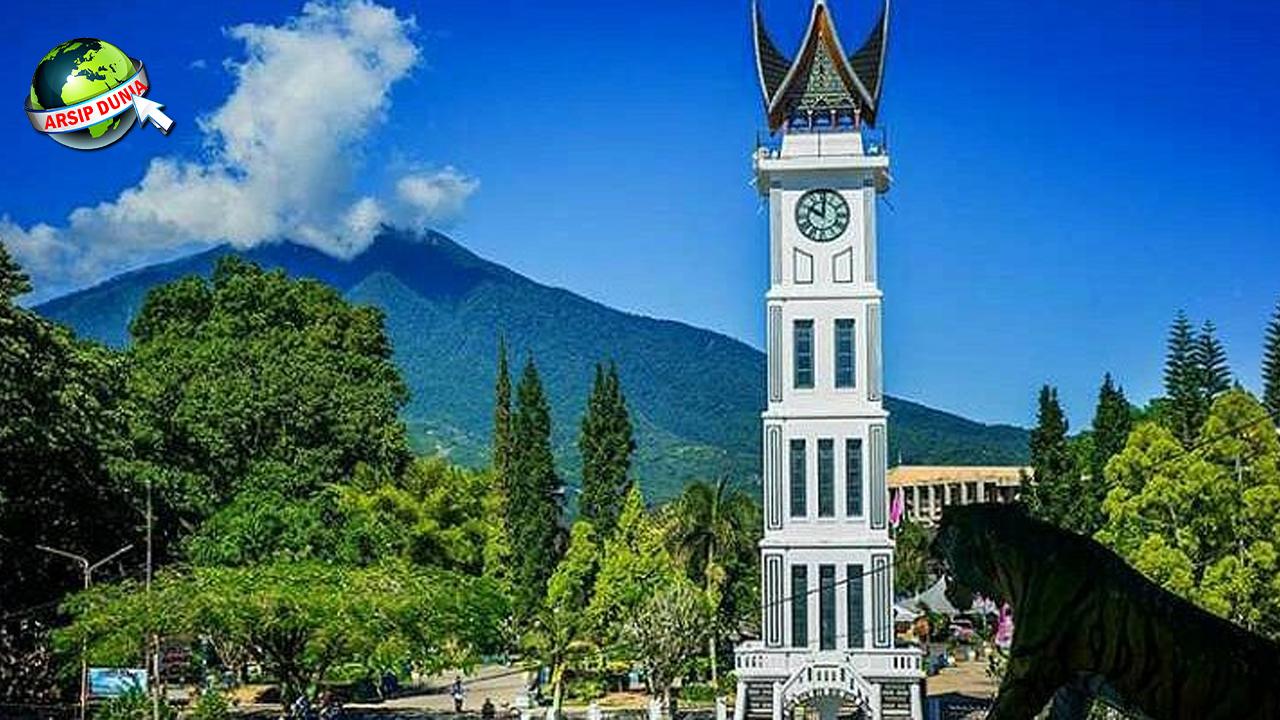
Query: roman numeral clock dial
{"x": 822, "y": 215}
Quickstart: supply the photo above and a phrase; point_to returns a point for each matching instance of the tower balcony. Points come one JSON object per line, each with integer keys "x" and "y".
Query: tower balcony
{"x": 799, "y": 153}
{"x": 754, "y": 661}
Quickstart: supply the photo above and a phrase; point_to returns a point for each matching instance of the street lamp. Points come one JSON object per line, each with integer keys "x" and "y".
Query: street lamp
{"x": 88, "y": 568}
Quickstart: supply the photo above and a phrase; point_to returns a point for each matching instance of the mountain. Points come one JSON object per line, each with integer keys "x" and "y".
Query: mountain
{"x": 695, "y": 395}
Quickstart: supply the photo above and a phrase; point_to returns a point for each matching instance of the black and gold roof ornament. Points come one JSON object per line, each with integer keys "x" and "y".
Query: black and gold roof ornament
{"x": 823, "y": 87}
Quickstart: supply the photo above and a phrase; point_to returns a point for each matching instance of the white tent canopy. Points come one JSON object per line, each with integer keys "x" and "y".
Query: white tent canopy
{"x": 935, "y": 599}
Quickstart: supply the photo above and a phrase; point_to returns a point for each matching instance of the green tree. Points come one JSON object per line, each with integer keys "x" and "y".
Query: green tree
{"x": 253, "y": 382}
{"x": 1051, "y": 494}
{"x": 533, "y": 518}
{"x": 497, "y": 552}
{"x": 59, "y": 416}
{"x": 606, "y": 442}
{"x": 1271, "y": 367}
{"x": 667, "y": 634}
{"x": 298, "y": 620}
{"x": 714, "y": 533}
{"x": 14, "y": 283}
{"x": 1112, "y": 422}
{"x": 1211, "y": 364}
{"x": 635, "y": 563}
{"x": 911, "y": 558}
{"x": 1203, "y": 524}
{"x": 561, "y": 634}
{"x": 433, "y": 515}
{"x": 1182, "y": 382}
{"x": 502, "y": 414}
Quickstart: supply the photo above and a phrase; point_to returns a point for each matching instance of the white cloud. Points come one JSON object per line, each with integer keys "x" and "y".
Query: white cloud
{"x": 442, "y": 193}
{"x": 284, "y": 149}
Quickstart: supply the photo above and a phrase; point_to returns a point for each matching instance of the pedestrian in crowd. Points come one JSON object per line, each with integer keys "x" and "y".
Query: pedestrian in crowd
{"x": 487, "y": 711}
{"x": 458, "y": 693}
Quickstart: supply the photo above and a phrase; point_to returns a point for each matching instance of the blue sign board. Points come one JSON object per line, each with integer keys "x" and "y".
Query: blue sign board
{"x": 114, "y": 682}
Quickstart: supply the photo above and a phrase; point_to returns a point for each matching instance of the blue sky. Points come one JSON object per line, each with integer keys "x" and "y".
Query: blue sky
{"x": 1068, "y": 175}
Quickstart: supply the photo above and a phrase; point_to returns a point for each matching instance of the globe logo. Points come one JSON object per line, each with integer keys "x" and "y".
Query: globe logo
{"x": 87, "y": 93}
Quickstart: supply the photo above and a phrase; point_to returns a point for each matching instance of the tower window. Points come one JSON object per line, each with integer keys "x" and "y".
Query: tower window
{"x": 853, "y": 477}
{"x": 826, "y": 478}
{"x": 799, "y": 502}
{"x": 827, "y": 607}
{"x": 845, "y": 354}
{"x": 854, "y": 603}
{"x": 803, "y": 340}
{"x": 799, "y": 606}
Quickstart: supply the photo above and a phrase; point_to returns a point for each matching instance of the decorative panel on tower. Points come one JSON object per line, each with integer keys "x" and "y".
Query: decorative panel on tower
{"x": 773, "y": 477}
{"x": 877, "y": 463}
{"x": 875, "y": 372}
{"x": 881, "y": 599}
{"x": 842, "y": 267}
{"x": 869, "y": 234}
{"x": 774, "y": 595}
{"x": 775, "y": 354}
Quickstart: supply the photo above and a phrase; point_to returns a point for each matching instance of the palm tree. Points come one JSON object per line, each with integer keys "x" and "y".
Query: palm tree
{"x": 712, "y": 528}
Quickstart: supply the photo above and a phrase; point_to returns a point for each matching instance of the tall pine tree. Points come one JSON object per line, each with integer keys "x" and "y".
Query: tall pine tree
{"x": 533, "y": 512}
{"x": 1182, "y": 382}
{"x": 497, "y": 549}
{"x": 1271, "y": 368}
{"x": 606, "y": 443}
{"x": 1211, "y": 366}
{"x": 1112, "y": 421}
{"x": 1052, "y": 491}
{"x": 502, "y": 414}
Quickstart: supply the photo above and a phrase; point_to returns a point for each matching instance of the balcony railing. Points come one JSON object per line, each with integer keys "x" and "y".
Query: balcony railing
{"x": 753, "y": 659}
{"x": 875, "y": 141}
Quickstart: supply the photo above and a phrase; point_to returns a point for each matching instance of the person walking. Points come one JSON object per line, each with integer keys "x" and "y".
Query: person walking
{"x": 458, "y": 693}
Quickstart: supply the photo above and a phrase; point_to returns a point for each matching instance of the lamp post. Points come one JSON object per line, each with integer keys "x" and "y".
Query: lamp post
{"x": 87, "y": 568}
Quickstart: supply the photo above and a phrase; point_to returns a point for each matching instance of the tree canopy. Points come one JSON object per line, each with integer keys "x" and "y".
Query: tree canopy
{"x": 253, "y": 382}
{"x": 606, "y": 442}
{"x": 1205, "y": 524}
{"x": 1053, "y": 486}
{"x": 1271, "y": 367}
{"x": 299, "y": 620}
{"x": 59, "y": 415}
{"x": 534, "y": 495}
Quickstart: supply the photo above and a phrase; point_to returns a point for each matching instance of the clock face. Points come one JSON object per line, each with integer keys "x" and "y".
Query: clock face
{"x": 822, "y": 215}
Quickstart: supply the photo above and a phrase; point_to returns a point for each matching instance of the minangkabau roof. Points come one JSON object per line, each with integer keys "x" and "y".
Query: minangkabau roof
{"x": 822, "y": 78}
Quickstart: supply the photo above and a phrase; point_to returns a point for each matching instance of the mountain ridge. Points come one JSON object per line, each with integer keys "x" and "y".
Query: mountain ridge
{"x": 696, "y": 395}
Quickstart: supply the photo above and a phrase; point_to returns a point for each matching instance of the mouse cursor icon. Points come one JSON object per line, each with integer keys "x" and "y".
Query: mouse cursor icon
{"x": 148, "y": 110}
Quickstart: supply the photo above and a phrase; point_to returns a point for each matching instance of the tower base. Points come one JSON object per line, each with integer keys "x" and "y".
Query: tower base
{"x": 783, "y": 684}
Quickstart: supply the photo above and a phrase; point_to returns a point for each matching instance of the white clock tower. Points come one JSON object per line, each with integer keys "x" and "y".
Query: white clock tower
{"x": 828, "y": 647}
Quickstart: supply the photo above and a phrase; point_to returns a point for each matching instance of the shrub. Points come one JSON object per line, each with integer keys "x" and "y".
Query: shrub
{"x": 584, "y": 689}
{"x": 212, "y": 705}
{"x": 135, "y": 705}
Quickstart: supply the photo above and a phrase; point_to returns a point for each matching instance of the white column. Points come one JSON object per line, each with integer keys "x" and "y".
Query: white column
{"x": 917, "y": 702}
{"x": 777, "y": 701}
{"x": 740, "y": 702}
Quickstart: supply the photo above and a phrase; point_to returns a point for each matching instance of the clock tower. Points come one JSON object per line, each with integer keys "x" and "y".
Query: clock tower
{"x": 828, "y": 646}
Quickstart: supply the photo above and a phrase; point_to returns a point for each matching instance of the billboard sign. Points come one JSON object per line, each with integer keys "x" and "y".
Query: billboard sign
{"x": 114, "y": 682}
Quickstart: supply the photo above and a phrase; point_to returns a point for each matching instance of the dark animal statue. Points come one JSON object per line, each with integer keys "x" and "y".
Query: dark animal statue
{"x": 1088, "y": 625}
